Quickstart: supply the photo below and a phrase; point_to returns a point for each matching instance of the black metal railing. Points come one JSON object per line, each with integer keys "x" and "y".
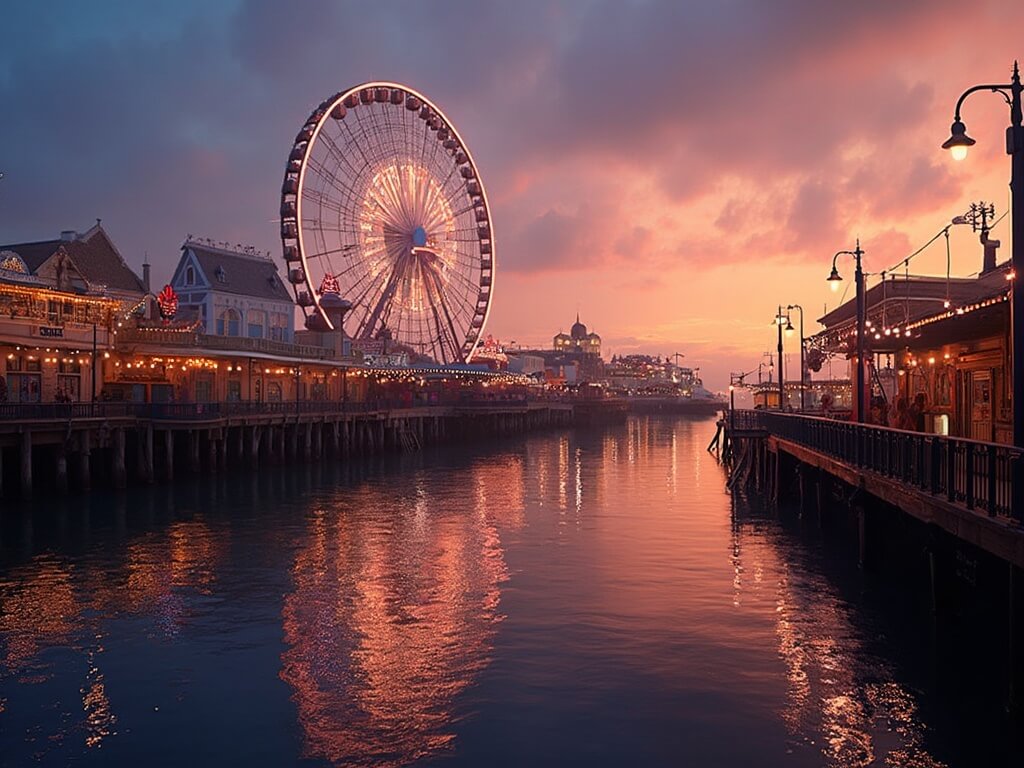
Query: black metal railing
{"x": 980, "y": 476}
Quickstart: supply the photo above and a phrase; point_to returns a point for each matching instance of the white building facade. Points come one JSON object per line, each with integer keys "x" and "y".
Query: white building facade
{"x": 233, "y": 293}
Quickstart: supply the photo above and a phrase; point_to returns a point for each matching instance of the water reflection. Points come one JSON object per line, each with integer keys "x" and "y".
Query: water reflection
{"x": 840, "y": 699}
{"x": 394, "y": 611}
{"x": 54, "y": 604}
{"x": 362, "y": 610}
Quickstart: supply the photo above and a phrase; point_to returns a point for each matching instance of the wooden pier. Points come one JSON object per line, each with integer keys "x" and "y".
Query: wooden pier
{"x": 959, "y": 501}
{"x": 72, "y": 447}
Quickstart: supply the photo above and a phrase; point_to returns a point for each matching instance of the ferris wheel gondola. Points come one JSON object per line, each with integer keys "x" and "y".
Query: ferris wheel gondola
{"x": 383, "y": 207}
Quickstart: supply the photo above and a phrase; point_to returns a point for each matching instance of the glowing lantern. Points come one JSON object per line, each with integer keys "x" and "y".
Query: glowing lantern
{"x": 167, "y": 301}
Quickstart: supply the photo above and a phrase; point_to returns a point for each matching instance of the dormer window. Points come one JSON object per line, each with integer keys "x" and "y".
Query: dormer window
{"x": 222, "y": 276}
{"x": 190, "y": 276}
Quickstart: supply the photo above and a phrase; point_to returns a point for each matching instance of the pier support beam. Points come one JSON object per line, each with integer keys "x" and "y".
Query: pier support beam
{"x": 84, "y": 451}
{"x": 118, "y": 473}
{"x": 168, "y": 454}
{"x": 211, "y": 451}
{"x": 62, "y": 468}
{"x": 26, "y": 464}
{"x": 193, "y": 451}
{"x": 146, "y": 454}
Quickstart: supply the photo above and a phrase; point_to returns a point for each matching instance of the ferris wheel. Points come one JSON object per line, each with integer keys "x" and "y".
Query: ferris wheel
{"x": 385, "y": 224}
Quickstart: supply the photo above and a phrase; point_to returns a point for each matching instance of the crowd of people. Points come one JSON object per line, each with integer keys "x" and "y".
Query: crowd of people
{"x": 901, "y": 414}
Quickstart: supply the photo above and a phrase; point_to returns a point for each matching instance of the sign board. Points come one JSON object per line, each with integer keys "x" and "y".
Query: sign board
{"x": 51, "y": 332}
{"x": 368, "y": 346}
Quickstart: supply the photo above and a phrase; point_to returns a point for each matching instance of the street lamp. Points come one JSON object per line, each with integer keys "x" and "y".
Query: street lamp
{"x": 958, "y": 143}
{"x": 779, "y": 318}
{"x": 803, "y": 370}
{"x": 834, "y": 279}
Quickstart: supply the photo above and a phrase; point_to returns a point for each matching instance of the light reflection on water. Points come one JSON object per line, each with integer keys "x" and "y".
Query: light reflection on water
{"x": 590, "y": 596}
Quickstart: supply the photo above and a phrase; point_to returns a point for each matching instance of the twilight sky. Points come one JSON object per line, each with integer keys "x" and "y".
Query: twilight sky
{"x": 673, "y": 170}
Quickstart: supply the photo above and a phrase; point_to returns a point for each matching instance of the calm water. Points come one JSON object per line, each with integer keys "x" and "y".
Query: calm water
{"x": 567, "y": 598}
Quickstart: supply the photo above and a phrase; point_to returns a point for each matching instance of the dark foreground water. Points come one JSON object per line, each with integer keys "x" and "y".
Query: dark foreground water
{"x": 568, "y": 598}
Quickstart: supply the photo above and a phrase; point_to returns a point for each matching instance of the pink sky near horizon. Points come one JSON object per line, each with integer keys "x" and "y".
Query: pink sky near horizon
{"x": 673, "y": 171}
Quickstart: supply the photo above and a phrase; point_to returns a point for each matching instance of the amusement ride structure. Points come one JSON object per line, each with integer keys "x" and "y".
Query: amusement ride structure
{"x": 385, "y": 224}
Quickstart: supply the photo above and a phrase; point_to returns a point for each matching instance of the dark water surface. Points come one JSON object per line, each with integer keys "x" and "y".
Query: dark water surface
{"x": 590, "y": 597}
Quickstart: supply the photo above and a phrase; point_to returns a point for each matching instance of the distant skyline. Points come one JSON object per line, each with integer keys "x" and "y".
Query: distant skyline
{"x": 673, "y": 171}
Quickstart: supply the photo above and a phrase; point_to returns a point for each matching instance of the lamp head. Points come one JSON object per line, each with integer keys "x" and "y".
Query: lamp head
{"x": 834, "y": 279}
{"x": 958, "y": 140}
{"x": 789, "y": 329}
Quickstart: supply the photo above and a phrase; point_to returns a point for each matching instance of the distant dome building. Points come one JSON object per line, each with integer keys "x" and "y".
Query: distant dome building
{"x": 578, "y": 340}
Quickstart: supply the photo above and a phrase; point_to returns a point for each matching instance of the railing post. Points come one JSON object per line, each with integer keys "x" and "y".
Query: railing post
{"x": 921, "y": 453}
{"x": 1015, "y": 476}
{"x": 992, "y": 480}
{"x": 969, "y": 472}
{"x": 950, "y": 471}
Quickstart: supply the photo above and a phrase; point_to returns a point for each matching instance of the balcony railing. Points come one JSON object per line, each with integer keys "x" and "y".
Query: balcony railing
{"x": 213, "y": 343}
{"x": 988, "y": 477}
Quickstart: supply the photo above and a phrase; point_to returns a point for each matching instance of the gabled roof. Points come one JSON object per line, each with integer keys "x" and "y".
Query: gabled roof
{"x": 238, "y": 273}
{"x": 93, "y": 253}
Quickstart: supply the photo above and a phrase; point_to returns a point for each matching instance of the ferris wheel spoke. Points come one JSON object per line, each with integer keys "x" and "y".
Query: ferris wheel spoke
{"x": 386, "y": 294}
{"x": 335, "y": 152}
{"x": 331, "y": 179}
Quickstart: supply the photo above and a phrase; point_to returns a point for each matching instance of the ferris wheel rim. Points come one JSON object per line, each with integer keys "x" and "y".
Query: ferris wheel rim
{"x": 473, "y": 336}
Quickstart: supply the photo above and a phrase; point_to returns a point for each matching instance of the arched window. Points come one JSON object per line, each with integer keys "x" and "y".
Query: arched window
{"x": 190, "y": 275}
{"x": 273, "y": 392}
{"x": 255, "y": 320}
{"x": 229, "y": 323}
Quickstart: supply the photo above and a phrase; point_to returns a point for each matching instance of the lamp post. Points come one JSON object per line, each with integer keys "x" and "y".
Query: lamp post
{"x": 803, "y": 370}
{"x": 779, "y": 318}
{"x": 92, "y": 373}
{"x": 957, "y": 143}
{"x": 834, "y": 279}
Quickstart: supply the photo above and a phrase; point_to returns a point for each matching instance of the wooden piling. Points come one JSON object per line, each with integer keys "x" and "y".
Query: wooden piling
{"x": 62, "y": 468}
{"x": 84, "y": 452}
{"x": 26, "y": 464}
{"x": 118, "y": 473}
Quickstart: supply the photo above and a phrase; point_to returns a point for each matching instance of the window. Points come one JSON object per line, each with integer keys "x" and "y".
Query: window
{"x": 190, "y": 276}
{"x": 279, "y": 326}
{"x": 229, "y": 323}
{"x": 222, "y": 276}
{"x": 255, "y": 320}
{"x": 204, "y": 390}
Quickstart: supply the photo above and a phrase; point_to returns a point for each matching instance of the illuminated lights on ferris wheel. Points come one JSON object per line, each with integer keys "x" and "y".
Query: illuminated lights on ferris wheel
{"x": 383, "y": 207}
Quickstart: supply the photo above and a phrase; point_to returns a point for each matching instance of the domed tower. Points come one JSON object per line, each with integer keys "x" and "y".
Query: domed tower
{"x": 578, "y": 330}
